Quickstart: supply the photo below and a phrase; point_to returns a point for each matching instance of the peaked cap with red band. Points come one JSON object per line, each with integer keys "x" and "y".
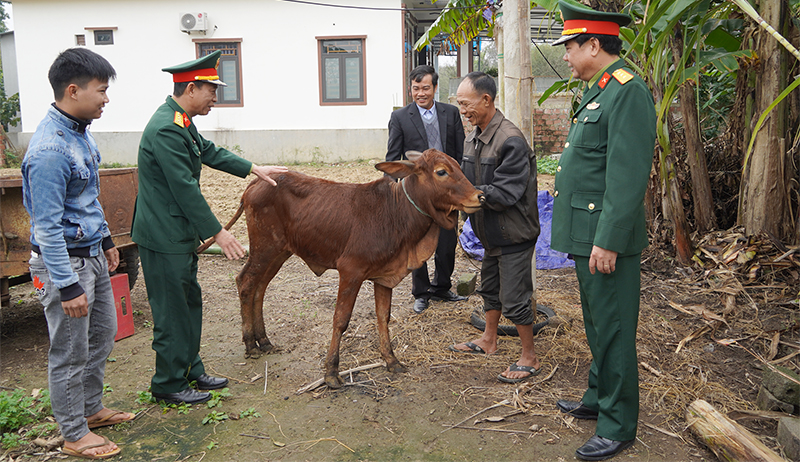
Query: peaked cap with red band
{"x": 584, "y": 20}
{"x": 201, "y": 69}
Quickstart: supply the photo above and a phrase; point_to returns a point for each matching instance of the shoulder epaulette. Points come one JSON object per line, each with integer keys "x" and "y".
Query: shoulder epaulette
{"x": 622, "y": 76}
{"x": 179, "y": 119}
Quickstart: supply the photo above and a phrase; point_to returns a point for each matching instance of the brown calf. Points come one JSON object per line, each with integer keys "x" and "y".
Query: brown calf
{"x": 377, "y": 231}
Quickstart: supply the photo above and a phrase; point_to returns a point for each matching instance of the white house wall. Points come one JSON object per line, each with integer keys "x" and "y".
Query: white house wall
{"x": 10, "y": 81}
{"x": 281, "y": 120}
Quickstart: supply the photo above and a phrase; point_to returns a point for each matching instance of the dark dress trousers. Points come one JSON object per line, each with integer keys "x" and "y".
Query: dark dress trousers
{"x": 407, "y": 133}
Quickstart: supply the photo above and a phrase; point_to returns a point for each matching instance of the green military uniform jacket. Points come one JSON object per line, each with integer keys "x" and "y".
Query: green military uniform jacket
{"x": 171, "y": 216}
{"x": 602, "y": 175}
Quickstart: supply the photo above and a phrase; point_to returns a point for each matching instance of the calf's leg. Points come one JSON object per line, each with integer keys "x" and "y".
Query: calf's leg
{"x": 346, "y": 298}
{"x": 383, "y": 310}
{"x": 252, "y": 282}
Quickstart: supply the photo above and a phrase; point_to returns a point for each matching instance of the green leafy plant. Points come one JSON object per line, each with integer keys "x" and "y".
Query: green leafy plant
{"x": 212, "y": 445}
{"x": 217, "y": 396}
{"x": 11, "y": 440}
{"x": 144, "y": 397}
{"x": 182, "y": 408}
{"x": 107, "y": 388}
{"x": 40, "y": 430}
{"x": 547, "y": 165}
{"x": 215, "y": 417}
{"x": 18, "y": 409}
{"x": 249, "y": 413}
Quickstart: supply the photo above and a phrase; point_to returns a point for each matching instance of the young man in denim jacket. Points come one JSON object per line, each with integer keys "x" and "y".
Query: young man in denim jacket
{"x": 72, "y": 251}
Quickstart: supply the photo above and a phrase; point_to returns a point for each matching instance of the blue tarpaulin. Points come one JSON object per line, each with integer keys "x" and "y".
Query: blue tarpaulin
{"x": 546, "y": 258}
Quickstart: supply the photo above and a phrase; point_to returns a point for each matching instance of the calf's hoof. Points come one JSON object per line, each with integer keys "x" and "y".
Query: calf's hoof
{"x": 265, "y": 345}
{"x": 253, "y": 353}
{"x": 333, "y": 381}
{"x": 396, "y": 368}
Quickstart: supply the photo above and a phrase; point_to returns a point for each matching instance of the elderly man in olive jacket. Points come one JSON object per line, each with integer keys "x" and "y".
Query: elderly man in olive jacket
{"x": 499, "y": 162}
{"x": 171, "y": 217}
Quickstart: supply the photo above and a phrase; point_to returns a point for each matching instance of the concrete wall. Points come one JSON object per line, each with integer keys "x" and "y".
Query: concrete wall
{"x": 259, "y": 146}
{"x": 281, "y": 116}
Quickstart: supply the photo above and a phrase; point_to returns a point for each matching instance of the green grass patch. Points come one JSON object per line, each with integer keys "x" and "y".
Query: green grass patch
{"x": 546, "y": 165}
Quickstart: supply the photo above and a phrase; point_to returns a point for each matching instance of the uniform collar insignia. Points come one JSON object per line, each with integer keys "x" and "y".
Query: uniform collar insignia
{"x": 182, "y": 119}
{"x": 604, "y": 80}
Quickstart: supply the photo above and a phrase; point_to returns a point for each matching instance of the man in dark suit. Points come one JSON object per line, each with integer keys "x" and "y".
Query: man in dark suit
{"x": 425, "y": 124}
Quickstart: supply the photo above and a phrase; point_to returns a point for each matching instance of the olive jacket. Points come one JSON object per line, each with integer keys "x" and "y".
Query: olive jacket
{"x": 171, "y": 215}
{"x": 499, "y": 162}
{"x": 602, "y": 175}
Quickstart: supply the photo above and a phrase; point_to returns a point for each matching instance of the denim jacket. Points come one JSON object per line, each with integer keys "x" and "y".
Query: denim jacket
{"x": 61, "y": 186}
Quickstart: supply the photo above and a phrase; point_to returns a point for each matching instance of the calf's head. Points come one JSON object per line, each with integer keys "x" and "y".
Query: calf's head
{"x": 435, "y": 184}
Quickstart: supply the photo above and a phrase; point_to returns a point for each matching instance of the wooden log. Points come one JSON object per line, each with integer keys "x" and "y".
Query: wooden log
{"x": 729, "y": 440}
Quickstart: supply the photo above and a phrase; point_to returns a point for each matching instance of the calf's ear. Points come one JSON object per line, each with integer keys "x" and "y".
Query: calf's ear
{"x": 413, "y": 155}
{"x": 397, "y": 169}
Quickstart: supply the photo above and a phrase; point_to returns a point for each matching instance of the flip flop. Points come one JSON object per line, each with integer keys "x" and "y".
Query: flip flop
{"x": 79, "y": 452}
{"x": 106, "y": 421}
{"x": 473, "y": 349}
{"x": 515, "y": 368}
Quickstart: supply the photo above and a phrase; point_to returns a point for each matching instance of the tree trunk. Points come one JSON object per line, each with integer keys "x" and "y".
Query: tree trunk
{"x": 517, "y": 65}
{"x": 516, "y": 77}
{"x": 729, "y": 440}
{"x": 671, "y": 202}
{"x": 672, "y": 205}
{"x": 763, "y": 200}
{"x": 499, "y": 34}
{"x": 695, "y": 154}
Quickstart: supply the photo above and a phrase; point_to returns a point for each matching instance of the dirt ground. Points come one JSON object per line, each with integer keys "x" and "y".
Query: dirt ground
{"x": 384, "y": 416}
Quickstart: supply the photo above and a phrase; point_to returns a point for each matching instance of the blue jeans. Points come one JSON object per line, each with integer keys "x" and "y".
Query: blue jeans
{"x": 79, "y": 347}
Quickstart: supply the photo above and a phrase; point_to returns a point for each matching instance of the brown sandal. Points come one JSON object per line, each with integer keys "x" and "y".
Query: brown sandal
{"x": 79, "y": 452}
{"x": 106, "y": 421}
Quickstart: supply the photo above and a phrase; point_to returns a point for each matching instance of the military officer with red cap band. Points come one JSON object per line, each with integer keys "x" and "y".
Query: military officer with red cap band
{"x": 599, "y": 219}
{"x": 172, "y": 217}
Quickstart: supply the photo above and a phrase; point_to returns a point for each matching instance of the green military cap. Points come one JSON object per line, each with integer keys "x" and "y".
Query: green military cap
{"x": 203, "y": 69}
{"x": 584, "y": 20}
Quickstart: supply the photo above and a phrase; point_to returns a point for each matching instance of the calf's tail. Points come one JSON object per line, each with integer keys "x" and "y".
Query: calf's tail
{"x": 212, "y": 240}
{"x": 236, "y": 216}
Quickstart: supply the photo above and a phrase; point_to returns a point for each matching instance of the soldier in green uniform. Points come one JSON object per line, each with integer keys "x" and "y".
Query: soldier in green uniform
{"x": 599, "y": 219}
{"x": 170, "y": 219}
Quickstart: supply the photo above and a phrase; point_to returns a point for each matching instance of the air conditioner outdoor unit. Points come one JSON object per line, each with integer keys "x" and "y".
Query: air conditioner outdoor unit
{"x": 191, "y": 22}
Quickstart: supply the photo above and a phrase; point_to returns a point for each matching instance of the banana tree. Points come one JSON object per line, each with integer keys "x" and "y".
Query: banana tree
{"x": 461, "y": 21}
{"x": 669, "y": 45}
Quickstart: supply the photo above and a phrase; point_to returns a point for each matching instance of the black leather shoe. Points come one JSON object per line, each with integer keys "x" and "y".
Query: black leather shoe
{"x": 448, "y": 296}
{"x": 207, "y": 382}
{"x": 599, "y": 448}
{"x": 576, "y": 409}
{"x": 188, "y": 396}
{"x": 421, "y": 304}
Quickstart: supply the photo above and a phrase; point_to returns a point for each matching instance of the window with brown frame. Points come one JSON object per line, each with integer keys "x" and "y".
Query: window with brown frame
{"x": 341, "y": 65}
{"x": 104, "y": 37}
{"x": 230, "y": 69}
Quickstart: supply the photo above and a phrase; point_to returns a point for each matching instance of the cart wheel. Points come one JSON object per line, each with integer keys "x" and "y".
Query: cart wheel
{"x": 477, "y": 320}
{"x": 129, "y": 264}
